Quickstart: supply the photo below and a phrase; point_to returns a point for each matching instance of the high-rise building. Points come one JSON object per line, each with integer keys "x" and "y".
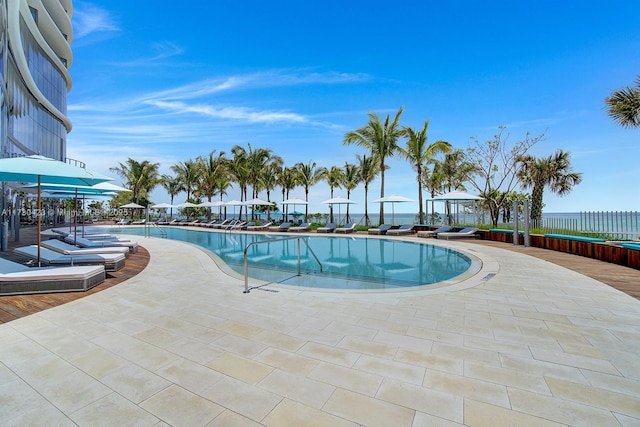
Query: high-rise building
{"x": 35, "y": 55}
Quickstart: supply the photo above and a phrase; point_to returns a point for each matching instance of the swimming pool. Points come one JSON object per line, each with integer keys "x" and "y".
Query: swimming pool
{"x": 349, "y": 262}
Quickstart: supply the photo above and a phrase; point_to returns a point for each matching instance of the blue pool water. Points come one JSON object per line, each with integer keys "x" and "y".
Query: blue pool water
{"x": 349, "y": 262}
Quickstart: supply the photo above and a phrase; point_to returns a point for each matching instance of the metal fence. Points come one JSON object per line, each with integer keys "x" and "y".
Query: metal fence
{"x": 615, "y": 225}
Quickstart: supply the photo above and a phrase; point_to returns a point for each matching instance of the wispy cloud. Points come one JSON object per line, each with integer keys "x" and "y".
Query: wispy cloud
{"x": 89, "y": 19}
{"x": 163, "y": 50}
{"x": 235, "y": 113}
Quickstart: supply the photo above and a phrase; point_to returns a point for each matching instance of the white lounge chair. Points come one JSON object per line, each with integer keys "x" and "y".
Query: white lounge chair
{"x": 348, "y": 228}
{"x": 83, "y": 242}
{"x": 282, "y": 227}
{"x": 433, "y": 233}
{"x": 465, "y": 233}
{"x": 69, "y": 249}
{"x": 302, "y": 227}
{"x": 262, "y": 227}
{"x": 404, "y": 229}
{"x": 382, "y": 229}
{"x": 329, "y": 228}
{"x": 111, "y": 262}
{"x": 16, "y": 278}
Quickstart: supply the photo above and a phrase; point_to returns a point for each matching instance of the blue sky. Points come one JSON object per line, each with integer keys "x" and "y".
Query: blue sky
{"x": 166, "y": 83}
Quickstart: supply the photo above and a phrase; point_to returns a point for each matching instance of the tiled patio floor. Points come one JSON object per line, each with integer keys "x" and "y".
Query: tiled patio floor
{"x": 180, "y": 344}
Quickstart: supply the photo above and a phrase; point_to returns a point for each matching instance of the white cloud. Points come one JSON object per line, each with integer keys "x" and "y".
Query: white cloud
{"x": 235, "y": 113}
{"x": 89, "y": 19}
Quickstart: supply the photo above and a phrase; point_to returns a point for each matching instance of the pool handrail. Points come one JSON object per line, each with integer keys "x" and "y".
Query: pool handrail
{"x": 298, "y": 238}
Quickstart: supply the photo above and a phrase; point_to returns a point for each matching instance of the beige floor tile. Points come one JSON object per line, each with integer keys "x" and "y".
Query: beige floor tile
{"x": 467, "y": 387}
{"x": 240, "y": 329}
{"x": 240, "y": 368}
{"x": 248, "y": 400}
{"x": 369, "y": 347}
{"x": 114, "y": 410}
{"x": 295, "y": 387}
{"x": 99, "y": 362}
{"x": 433, "y": 334}
{"x": 404, "y": 341}
{"x": 349, "y": 379}
{"x": 434, "y": 402}
{"x": 431, "y": 361}
{"x": 483, "y": 414}
{"x": 319, "y": 336}
{"x": 507, "y": 377}
{"x": 279, "y": 340}
{"x": 616, "y": 383}
{"x": 600, "y": 398}
{"x": 542, "y": 368}
{"x": 190, "y": 375}
{"x": 463, "y": 353}
{"x": 290, "y": 413}
{"x": 231, "y": 419}
{"x": 134, "y": 383}
{"x": 136, "y": 351}
{"x": 559, "y": 410}
{"x": 582, "y": 362}
{"x": 368, "y": 411}
{"x": 74, "y": 391}
{"x": 391, "y": 369}
{"x": 427, "y": 420}
{"x": 179, "y": 407}
{"x": 17, "y": 398}
{"x": 287, "y": 361}
{"x": 195, "y": 350}
{"x": 239, "y": 345}
{"x": 329, "y": 354}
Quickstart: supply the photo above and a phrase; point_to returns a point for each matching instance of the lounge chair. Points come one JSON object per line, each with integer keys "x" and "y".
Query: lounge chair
{"x": 139, "y": 222}
{"x": 404, "y": 229}
{"x": 348, "y": 228}
{"x": 432, "y": 233}
{"x": 302, "y": 227}
{"x": 83, "y": 242}
{"x": 16, "y": 278}
{"x": 282, "y": 227}
{"x": 465, "y": 233}
{"x": 111, "y": 262}
{"x": 329, "y": 228}
{"x": 382, "y": 229}
{"x": 221, "y": 223}
{"x": 262, "y": 227}
{"x": 235, "y": 225}
{"x": 69, "y": 249}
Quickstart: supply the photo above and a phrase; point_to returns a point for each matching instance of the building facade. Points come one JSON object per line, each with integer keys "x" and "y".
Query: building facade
{"x": 35, "y": 56}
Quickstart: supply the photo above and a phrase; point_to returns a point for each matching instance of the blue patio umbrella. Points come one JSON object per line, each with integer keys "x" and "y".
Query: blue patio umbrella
{"x": 39, "y": 169}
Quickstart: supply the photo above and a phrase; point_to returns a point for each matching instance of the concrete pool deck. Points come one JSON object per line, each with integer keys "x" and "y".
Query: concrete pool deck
{"x": 180, "y": 344}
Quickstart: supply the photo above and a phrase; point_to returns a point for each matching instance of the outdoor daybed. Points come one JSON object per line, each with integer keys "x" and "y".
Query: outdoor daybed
{"x": 348, "y": 228}
{"x": 433, "y": 233}
{"x": 465, "y": 233}
{"x": 329, "y": 228}
{"x": 69, "y": 249}
{"x": 404, "y": 229}
{"x": 16, "y": 278}
{"x": 111, "y": 262}
{"x": 382, "y": 229}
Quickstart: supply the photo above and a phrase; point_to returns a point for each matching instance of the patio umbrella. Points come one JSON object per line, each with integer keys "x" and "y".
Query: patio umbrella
{"x": 161, "y": 206}
{"x": 132, "y": 206}
{"x": 295, "y": 202}
{"x": 233, "y": 203}
{"x": 393, "y": 199}
{"x": 338, "y": 201}
{"x": 41, "y": 169}
{"x": 257, "y": 202}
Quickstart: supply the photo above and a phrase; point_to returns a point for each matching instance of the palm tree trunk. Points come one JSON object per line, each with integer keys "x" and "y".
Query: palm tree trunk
{"x": 381, "y": 191}
{"x": 536, "y": 202}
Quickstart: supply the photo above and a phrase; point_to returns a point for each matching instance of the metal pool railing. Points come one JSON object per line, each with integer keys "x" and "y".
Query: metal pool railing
{"x": 246, "y": 248}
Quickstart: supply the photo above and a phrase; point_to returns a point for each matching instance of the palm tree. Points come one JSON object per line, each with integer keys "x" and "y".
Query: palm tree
{"x": 269, "y": 178}
{"x": 624, "y": 106}
{"x": 287, "y": 180}
{"x": 351, "y": 181}
{"x": 211, "y": 167}
{"x": 188, "y": 173}
{"x": 308, "y": 175}
{"x": 381, "y": 140}
{"x": 140, "y": 177}
{"x": 173, "y": 186}
{"x": 240, "y": 171}
{"x": 553, "y": 172}
{"x": 419, "y": 154}
{"x": 368, "y": 169}
{"x": 335, "y": 179}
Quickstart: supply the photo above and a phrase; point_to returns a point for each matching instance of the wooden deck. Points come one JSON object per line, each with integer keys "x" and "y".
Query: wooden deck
{"x": 622, "y": 278}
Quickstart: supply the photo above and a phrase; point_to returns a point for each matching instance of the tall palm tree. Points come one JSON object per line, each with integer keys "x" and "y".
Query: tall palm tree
{"x": 173, "y": 186}
{"x": 287, "y": 180}
{"x": 368, "y": 169}
{"x": 188, "y": 173}
{"x": 351, "y": 181}
{"x": 240, "y": 170}
{"x": 335, "y": 178}
{"x": 381, "y": 139}
{"x": 420, "y": 154}
{"x": 269, "y": 178}
{"x": 308, "y": 175}
{"x": 211, "y": 167}
{"x": 140, "y": 177}
{"x": 553, "y": 171}
{"x": 624, "y": 105}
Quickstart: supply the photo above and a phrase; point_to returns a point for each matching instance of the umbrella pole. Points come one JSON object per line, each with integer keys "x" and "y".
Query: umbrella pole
{"x": 38, "y": 221}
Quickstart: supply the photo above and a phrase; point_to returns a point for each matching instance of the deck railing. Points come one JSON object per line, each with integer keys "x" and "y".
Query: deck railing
{"x": 613, "y": 225}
